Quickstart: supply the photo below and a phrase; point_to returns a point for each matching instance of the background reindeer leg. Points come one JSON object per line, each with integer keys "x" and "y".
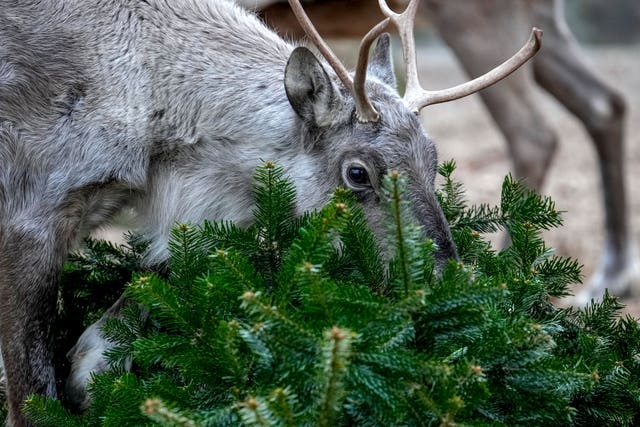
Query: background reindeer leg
{"x": 30, "y": 263}
{"x": 562, "y": 71}
{"x": 466, "y": 27}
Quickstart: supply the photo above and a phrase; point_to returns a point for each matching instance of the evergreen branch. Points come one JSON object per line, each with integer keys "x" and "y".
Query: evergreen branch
{"x": 347, "y": 299}
{"x": 557, "y": 274}
{"x": 404, "y": 333}
{"x": 313, "y": 246}
{"x": 161, "y": 300}
{"x": 393, "y": 183}
{"x": 359, "y": 244}
{"x": 336, "y": 354}
{"x": 231, "y": 274}
{"x": 226, "y": 236}
{"x": 251, "y": 338}
{"x": 43, "y": 412}
{"x": 116, "y": 400}
{"x": 188, "y": 255}
{"x": 165, "y": 348}
{"x": 413, "y": 253}
{"x": 255, "y": 412}
{"x": 295, "y": 332}
{"x": 520, "y": 204}
{"x": 602, "y": 316}
{"x": 274, "y": 214}
{"x": 282, "y": 403}
{"x": 450, "y": 196}
{"x": 314, "y": 291}
{"x": 372, "y": 399}
{"x": 481, "y": 219}
{"x": 123, "y": 331}
{"x": 158, "y": 411}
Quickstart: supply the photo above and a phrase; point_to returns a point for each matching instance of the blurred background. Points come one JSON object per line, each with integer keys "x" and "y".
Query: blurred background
{"x": 603, "y": 22}
{"x": 609, "y": 34}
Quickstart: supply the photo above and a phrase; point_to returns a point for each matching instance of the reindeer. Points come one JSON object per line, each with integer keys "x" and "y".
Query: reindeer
{"x": 559, "y": 69}
{"x": 168, "y": 107}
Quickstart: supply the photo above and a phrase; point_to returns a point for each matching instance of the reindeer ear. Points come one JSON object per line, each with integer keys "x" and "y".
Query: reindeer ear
{"x": 381, "y": 63}
{"x": 311, "y": 92}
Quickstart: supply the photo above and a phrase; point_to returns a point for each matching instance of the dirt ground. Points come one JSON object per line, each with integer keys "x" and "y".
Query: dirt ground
{"x": 463, "y": 131}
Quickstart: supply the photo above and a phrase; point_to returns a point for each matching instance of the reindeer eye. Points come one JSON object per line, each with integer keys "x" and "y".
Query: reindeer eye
{"x": 358, "y": 175}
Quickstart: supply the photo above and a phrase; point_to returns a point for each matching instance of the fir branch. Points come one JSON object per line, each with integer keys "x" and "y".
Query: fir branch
{"x": 274, "y": 214}
{"x": 481, "y": 219}
{"x": 393, "y": 185}
{"x": 255, "y": 412}
{"x": 43, "y": 412}
{"x": 159, "y": 412}
{"x": 188, "y": 255}
{"x": 359, "y": 244}
{"x": 409, "y": 263}
{"x": 557, "y": 274}
{"x": 162, "y": 301}
{"x": 224, "y": 235}
{"x": 122, "y": 332}
{"x": 336, "y": 354}
{"x": 232, "y": 270}
{"x": 116, "y": 400}
{"x": 229, "y": 275}
{"x": 263, "y": 355}
{"x": 282, "y": 403}
{"x": 521, "y": 205}
{"x": 270, "y": 317}
{"x": 602, "y": 316}
{"x": 313, "y": 246}
{"x": 451, "y": 193}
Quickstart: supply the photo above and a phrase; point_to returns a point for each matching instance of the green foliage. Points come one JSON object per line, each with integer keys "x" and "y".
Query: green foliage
{"x": 303, "y": 322}
{"x": 92, "y": 280}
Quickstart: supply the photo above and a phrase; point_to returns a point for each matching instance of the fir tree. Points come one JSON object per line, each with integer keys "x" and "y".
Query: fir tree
{"x": 302, "y": 322}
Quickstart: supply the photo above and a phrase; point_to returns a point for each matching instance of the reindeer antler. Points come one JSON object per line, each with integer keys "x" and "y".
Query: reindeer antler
{"x": 415, "y": 96}
{"x": 365, "y": 112}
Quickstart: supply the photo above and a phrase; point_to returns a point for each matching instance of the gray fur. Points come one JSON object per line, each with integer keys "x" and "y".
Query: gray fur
{"x": 88, "y": 357}
{"x": 167, "y": 107}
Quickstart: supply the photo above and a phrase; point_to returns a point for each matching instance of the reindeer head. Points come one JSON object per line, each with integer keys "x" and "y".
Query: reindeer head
{"x": 360, "y": 128}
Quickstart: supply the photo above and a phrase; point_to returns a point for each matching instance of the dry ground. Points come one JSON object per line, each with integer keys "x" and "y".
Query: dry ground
{"x": 464, "y": 131}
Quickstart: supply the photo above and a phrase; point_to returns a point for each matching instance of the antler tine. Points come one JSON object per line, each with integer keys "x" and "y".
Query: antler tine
{"x": 364, "y": 110}
{"x": 420, "y": 99}
{"x": 415, "y": 96}
{"x": 404, "y": 23}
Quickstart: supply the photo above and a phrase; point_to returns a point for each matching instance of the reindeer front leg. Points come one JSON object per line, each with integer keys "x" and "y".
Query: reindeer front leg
{"x": 30, "y": 261}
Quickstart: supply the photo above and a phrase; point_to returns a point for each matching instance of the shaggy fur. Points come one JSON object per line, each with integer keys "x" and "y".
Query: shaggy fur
{"x": 167, "y": 107}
